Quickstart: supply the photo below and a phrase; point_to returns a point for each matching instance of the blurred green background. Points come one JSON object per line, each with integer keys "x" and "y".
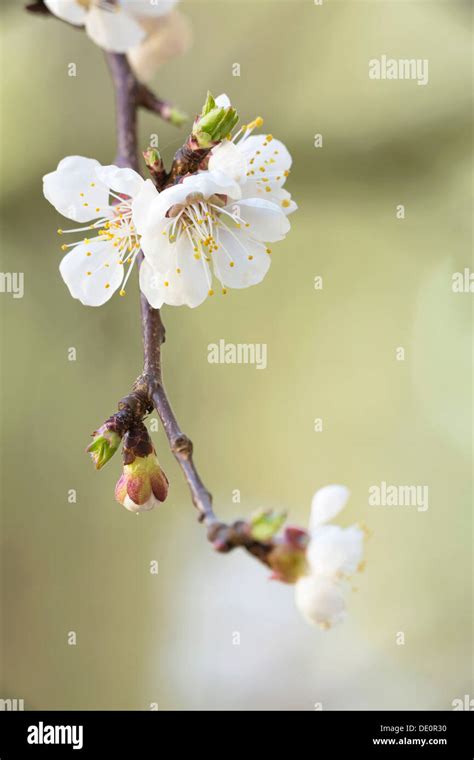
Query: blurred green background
{"x": 84, "y": 567}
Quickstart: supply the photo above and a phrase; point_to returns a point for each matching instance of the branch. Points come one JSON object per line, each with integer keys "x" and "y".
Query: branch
{"x": 150, "y": 384}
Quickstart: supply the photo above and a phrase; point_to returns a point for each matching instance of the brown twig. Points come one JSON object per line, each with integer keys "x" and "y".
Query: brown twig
{"x": 149, "y": 386}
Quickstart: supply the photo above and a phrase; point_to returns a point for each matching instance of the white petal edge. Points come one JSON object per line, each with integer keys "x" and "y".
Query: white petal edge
{"x": 223, "y": 101}
{"x": 114, "y": 31}
{"x": 67, "y": 10}
{"x": 75, "y": 190}
{"x": 320, "y": 600}
{"x": 125, "y": 181}
{"x": 326, "y": 504}
{"x": 268, "y": 222}
{"x": 147, "y": 7}
{"x": 228, "y": 159}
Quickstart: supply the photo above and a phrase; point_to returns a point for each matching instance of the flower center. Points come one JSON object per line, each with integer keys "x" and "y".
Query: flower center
{"x": 200, "y": 220}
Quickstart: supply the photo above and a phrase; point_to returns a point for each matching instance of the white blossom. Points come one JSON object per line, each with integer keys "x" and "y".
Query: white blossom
{"x": 334, "y": 554}
{"x": 114, "y": 26}
{"x": 202, "y": 226}
{"x": 99, "y": 196}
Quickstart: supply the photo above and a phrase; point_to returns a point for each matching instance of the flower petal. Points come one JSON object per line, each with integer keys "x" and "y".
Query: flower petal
{"x": 68, "y": 10}
{"x": 142, "y": 204}
{"x": 320, "y": 600}
{"x": 282, "y": 198}
{"x": 250, "y": 261}
{"x": 125, "y": 181}
{"x": 167, "y": 37}
{"x": 326, "y": 504}
{"x": 270, "y": 155}
{"x": 113, "y": 30}
{"x": 106, "y": 274}
{"x": 335, "y": 552}
{"x": 150, "y": 285}
{"x": 267, "y": 221}
{"x": 147, "y": 7}
{"x": 223, "y": 101}
{"x": 157, "y": 249}
{"x": 228, "y": 159}
{"x": 75, "y": 190}
{"x": 187, "y": 282}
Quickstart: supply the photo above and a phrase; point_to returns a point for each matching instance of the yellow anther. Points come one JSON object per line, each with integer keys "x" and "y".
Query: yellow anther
{"x": 88, "y": 253}
{"x": 122, "y": 293}
{"x": 286, "y": 204}
{"x": 81, "y": 195}
{"x": 166, "y": 283}
{"x": 224, "y": 291}
{"x": 92, "y": 184}
{"x": 60, "y": 232}
{"x": 268, "y": 250}
{"x": 64, "y": 247}
{"x": 178, "y": 271}
{"x": 88, "y": 273}
{"x": 210, "y": 292}
{"x": 231, "y": 264}
{"x": 250, "y": 258}
{"x": 269, "y": 138}
{"x": 107, "y": 285}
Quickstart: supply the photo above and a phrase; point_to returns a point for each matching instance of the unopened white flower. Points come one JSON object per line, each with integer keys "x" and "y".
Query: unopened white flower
{"x": 114, "y": 26}
{"x": 198, "y": 225}
{"x": 334, "y": 554}
{"x": 100, "y": 196}
{"x": 259, "y": 163}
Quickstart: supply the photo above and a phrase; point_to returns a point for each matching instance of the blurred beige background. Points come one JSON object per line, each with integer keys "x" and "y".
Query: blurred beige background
{"x": 84, "y": 567}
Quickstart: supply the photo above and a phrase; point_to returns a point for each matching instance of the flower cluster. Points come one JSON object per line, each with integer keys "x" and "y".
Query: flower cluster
{"x": 219, "y": 221}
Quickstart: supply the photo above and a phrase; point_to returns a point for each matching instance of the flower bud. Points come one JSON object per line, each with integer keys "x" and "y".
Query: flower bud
{"x": 213, "y": 124}
{"x": 143, "y": 484}
{"x": 105, "y": 443}
{"x": 288, "y": 558}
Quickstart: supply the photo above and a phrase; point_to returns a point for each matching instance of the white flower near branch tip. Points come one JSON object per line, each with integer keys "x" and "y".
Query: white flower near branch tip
{"x": 334, "y": 554}
{"x": 259, "y": 163}
{"x": 101, "y": 196}
{"x": 199, "y": 222}
{"x": 114, "y": 26}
